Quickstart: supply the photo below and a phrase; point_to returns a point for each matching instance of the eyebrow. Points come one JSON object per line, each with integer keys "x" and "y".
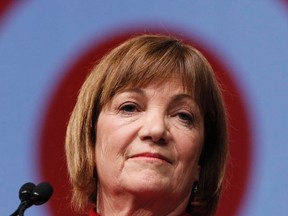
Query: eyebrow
{"x": 182, "y": 96}
{"x": 134, "y": 90}
{"x": 175, "y": 98}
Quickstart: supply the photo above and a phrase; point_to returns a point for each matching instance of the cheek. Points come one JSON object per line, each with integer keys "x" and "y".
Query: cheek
{"x": 106, "y": 152}
{"x": 112, "y": 139}
{"x": 105, "y": 133}
{"x": 189, "y": 149}
{"x": 190, "y": 143}
{"x": 103, "y": 142}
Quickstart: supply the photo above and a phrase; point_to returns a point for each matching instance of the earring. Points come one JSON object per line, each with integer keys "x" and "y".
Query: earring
{"x": 193, "y": 195}
{"x": 195, "y": 188}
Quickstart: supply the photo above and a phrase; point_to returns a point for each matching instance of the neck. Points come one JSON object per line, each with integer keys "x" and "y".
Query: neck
{"x": 124, "y": 204}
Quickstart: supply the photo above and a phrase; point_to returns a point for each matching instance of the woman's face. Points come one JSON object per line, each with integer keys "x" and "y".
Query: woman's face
{"x": 149, "y": 141}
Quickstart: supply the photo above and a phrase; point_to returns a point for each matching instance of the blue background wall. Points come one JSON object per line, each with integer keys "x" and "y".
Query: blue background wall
{"x": 40, "y": 39}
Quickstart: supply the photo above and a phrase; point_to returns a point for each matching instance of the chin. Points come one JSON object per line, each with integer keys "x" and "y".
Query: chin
{"x": 148, "y": 185}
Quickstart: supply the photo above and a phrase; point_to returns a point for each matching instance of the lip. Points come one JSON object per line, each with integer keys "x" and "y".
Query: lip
{"x": 151, "y": 155}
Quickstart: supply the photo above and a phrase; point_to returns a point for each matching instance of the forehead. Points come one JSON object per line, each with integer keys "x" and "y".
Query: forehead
{"x": 165, "y": 93}
{"x": 174, "y": 82}
{"x": 164, "y": 85}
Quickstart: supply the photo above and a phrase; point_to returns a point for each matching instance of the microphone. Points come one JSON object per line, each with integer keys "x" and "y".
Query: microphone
{"x": 41, "y": 193}
{"x": 26, "y": 191}
{"x": 30, "y": 194}
{"x": 24, "y": 195}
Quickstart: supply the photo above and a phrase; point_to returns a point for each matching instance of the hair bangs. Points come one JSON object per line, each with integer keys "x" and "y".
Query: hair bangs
{"x": 150, "y": 63}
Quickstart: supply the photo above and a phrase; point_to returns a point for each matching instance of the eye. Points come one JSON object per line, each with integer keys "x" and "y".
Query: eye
{"x": 129, "y": 108}
{"x": 187, "y": 118}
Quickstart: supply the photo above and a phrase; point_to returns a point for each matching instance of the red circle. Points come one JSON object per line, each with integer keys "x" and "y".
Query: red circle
{"x": 5, "y": 6}
{"x": 52, "y": 134}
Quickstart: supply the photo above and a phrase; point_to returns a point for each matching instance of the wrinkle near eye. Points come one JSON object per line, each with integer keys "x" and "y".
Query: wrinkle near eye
{"x": 131, "y": 97}
{"x": 186, "y": 109}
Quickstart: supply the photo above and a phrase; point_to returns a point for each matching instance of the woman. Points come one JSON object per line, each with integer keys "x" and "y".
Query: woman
{"x": 148, "y": 133}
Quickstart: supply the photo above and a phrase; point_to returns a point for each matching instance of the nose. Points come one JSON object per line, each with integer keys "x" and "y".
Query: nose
{"x": 154, "y": 128}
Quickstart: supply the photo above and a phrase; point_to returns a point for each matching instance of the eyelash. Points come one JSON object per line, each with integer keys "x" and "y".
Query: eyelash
{"x": 187, "y": 118}
{"x": 128, "y": 108}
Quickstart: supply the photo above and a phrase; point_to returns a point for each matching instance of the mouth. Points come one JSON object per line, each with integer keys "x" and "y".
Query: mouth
{"x": 152, "y": 156}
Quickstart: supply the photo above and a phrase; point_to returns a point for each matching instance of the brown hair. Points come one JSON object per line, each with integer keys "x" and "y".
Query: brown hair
{"x": 137, "y": 62}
